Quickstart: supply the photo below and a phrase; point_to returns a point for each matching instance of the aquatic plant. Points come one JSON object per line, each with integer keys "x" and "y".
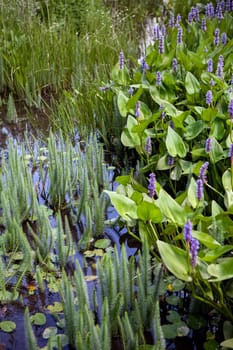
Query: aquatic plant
{"x": 196, "y": 187}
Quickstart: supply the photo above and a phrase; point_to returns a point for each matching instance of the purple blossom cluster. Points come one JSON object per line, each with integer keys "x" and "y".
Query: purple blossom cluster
{"x": 156, "y": 32}
{"x": 230, "y": 109}
{"x": 203, "y": 170}
{"x": 209, "y": 97}
{"x": 216, "y": 37}
{"x": 152, "y": 185}
{"x": 121, "y": 60}
{"x": 171, "y": 22}
{"x": 192, "y": 243}
{"x": 174, "y": 65}
{"x": 144, "y": 65}
{"x": 203, "y": 24}
{"x": 208, "y": 145}
{"x": 220, "y": 66}
{"x": 199, "y": 190}
{"x": 138, "y": 109}
{"x": 148, "y": 146}
{"x": 161, "y": 44}
{"x": 158, "y": 78}
{"x": 179, "y": 35}
{"x": 209, "y": 10}
{"x": 210, "y": 65}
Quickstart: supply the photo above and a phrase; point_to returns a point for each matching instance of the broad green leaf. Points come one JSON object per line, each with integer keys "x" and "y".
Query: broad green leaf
{"x": 216, "y": 152}
{"x": 128, "y": 137}
{"x": 192, "y": 85}
{"x": 38, "y": 319}
{"x": 149, "y": 212}
{"x": 214, "y": 254}
{"x": 221, "y": 271}
{"x": 169, "y": 108}
{"x": 170, "y": 208}
{"x": 55, "y": 307}
{"x": 227, "y": 343}
{"x": 194, "y": 129}
{"x": 227, "y": 180}
{"x": 192, "y": 198}
{"x": 131, "y": 103}
{"x": 7, "y": 326}
{"x": 122, "y": 101}
{"x": 125, "y": 206}
{"x": 175, "y": 260}
{"x": 175, "y": 144}
{"x": 206, "y": 239}
{"x": 173, "y": 316}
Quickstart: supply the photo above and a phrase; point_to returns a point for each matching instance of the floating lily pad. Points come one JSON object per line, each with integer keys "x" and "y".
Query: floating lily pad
{"x": 49, "y": 332}
{"x": 7, "y": 326}
{"x": 56, "y": 307}
{"x": 103, "y": 243}
{"x": 38, "y": 319}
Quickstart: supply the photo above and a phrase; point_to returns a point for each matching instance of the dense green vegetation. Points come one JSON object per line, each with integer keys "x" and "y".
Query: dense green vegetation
{"x": 162, "y": 106}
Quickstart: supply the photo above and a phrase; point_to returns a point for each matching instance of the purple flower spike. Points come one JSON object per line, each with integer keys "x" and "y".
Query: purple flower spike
{"x": 174, "y": 65}
{"x": 152, "y": 185}
{"x": 224, "y": 38}
{"x": 209, "y": 10}
{"x": 158, "y": 78}
{"x": 210, "y": 65}
{"x": 131, "y": 91}
{"x": 144, "y": 65}
{"x": 212, "y": 82}
{"x": 199, "y": 190}
{"x": 161, "y": 44}
{"x": 228, "y": 6}
{"x": 194, "y": 250}
{"x": 179, "y": 35}
{"x": 137, "y": 109}
{"x": 188, "y": 231}
{"x": 216, "y": 37}
{"x": 171, "y": 21}
{"x": 208, "y": 145}
{"x": 231, "y": 151}
{"x": 203, "y": 170}
{"x": 230, "y": 109}
{"x": 121, "y": 60}
{"x": 156, "y": 32}
{"x": 219, "y": 14}
{"x": 209, "y": 97}
{"x": 203, "y": 24}
{"x": 148, "y": 147}
{"x": 220, "y": 66}
{"x": 178, "y": 19}
{"x": 170, "y": 161}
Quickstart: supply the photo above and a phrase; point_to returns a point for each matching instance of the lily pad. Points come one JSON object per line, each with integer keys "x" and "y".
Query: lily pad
{"x": 49, "y": 332}
{"x": 7, "y": 326}
{"x": 38, "y": 319}
{"x": 103, "y": 243}
{"x": 56, "y": 307}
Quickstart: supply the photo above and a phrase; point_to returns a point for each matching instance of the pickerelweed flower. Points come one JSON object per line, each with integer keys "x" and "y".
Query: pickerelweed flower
{"x": 228, "y": 6}
{"x": 158, "y": 78}
{"x": 144, "y": 65}
{"x": 121, "y": 60}
{"x": 138, "y": 109}
{"x": 178, "y": 19}
{"x": 231, "y": 152}
{"x": 179, "y": 35}
{"x": 208, "y": 145}
{"x": 131, "y": 91}
{"x": 174, "y": 65}
{"x": 188, "y": 227}
{"x": 212, "y": 82}
{"x": 194, "y": 251}
{"x": 163, "y": 30}
{"x": 170, "y": 160}
{"x": 148, "y": 146}
{"x": 152, "y": 185}
{"x": 203, "y": 170}
{"x": 219, "y": 14}
{"x": 203, "y": 24}
{"x": 224, "y": 38}
{"x": 199, "y": 189}
{"x": 216, "y": 37}
{"x": 210, "y": 65}
{"x": 156, "y": 32}
{"x": 171, "y": 22}
{"x": 209, "y": 97}
{"x": 161, "y": 44}
{"x": 230, "y": 109}
{"x": 209, "y": 10}
{"x": 190, "y": 17}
